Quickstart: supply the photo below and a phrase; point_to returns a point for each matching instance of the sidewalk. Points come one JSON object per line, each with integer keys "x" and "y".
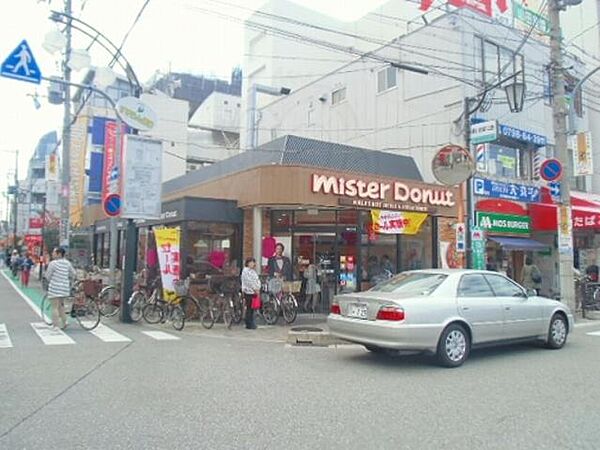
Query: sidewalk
{"x": 33, "y": 292}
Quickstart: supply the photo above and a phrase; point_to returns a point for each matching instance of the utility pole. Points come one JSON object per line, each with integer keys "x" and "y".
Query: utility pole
{"x": 559, "y": 113}
{"x": 15, "y": 198}
{"x": 65, "y": 217}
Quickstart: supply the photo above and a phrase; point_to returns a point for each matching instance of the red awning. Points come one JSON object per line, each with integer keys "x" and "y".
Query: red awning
{"x": 585, "y": 211}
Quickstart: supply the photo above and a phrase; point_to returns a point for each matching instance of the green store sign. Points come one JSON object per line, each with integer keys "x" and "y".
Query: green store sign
{"x": 503, "y": 223}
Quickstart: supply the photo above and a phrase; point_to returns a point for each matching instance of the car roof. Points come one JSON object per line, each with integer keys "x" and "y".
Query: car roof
{"x": 453, "y": 271}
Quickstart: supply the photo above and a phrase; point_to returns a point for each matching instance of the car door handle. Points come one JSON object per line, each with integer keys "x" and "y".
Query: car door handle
{"x": 465, "y": 308}
{"x": 507, "y": 308}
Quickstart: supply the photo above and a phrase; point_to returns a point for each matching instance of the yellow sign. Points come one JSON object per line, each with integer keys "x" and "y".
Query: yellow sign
{"x": 397, "y": 222}
{"x": 169, "y": 258}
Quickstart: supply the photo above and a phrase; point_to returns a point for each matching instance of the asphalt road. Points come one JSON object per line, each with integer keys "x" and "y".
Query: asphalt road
{"x": 207, "y": 392}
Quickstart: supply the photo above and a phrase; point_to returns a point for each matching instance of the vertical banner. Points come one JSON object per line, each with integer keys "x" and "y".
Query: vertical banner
{"x": 565, "y": 230}
{"x": 110, "y": 171}
{"x": 581, "y": 145}
{"x": 169, "y": 258}
{"x": 478, "y": 247}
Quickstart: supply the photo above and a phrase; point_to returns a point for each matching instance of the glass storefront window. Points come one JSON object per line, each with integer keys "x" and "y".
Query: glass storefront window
{"x": 503, "y": 161}
{"x": 416, "y": 250}
{"x": 212, "y": 249}
{"x": 314, "y": 217}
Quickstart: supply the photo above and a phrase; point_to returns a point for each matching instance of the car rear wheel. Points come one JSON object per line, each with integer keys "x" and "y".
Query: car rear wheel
{"x": 454, "y": 346}
{"x": 557, "y": 334}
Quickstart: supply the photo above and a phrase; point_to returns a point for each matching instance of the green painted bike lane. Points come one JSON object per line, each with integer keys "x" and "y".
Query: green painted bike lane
{"x": 35, "y": 294}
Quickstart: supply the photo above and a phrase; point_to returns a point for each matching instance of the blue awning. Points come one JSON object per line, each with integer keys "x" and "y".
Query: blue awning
{"x": 514, "y": 243}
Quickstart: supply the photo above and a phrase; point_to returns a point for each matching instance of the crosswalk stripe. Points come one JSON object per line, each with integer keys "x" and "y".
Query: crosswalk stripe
{"x": 50, "y": 335}
{"x": 5, "y": 341}
{"x": 594, "y": 333}
{"x": 161, "y": 335}
{"x": 107, "y": 334}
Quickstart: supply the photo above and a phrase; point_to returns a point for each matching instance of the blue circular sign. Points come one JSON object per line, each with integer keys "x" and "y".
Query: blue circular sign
{"x": 112, "y": 205}
{"x": 551, "y": 169}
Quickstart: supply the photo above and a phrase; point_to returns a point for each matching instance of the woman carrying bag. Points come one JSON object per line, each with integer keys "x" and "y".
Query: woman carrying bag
{"x": 251, "y": 291}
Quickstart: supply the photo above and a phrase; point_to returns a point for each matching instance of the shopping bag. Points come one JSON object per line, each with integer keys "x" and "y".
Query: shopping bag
{"x": 255, "y": 302}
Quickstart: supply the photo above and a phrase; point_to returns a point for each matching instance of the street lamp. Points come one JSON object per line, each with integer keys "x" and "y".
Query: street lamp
{"x": 515, "y": 94}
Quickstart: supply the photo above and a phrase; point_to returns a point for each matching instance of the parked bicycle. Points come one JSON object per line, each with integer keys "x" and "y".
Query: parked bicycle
{"x": 84, "y": 308}
{"x": 277, "y": 299}
{"x": 162, "y": 310}
{"x": 142, "y": 296}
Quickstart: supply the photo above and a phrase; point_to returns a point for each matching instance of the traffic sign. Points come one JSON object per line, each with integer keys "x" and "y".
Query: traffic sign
{"x": 21, "y": 65}
{"x": 551, "y": 169}
{"x": 112, "y": 205}
{"x": 555, "y": 191}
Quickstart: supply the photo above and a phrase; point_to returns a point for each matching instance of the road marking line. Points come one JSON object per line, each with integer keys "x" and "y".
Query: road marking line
{"x": 32, "y": 305}
{"x": 594, "y": 333}
{"x": 50, "y": 335}
{"x": 161, "y": 336}
{"x": 5, "y": 341}
{"x": 108, "y": 334}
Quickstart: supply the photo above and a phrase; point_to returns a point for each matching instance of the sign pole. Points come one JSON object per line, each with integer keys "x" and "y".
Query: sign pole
{"x": 114, "y": 231}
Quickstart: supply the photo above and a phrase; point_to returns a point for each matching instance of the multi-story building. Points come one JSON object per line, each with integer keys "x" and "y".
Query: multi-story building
{"x": 370, "y": 102}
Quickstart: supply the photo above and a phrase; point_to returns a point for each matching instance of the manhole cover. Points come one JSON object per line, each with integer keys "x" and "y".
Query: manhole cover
{"x": 309, "y": 329}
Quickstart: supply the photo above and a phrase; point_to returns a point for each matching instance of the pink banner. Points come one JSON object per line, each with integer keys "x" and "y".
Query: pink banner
{"x": 110, "y": 175}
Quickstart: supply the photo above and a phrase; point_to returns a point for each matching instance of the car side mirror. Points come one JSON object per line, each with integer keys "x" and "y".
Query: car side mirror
{"x": 531, "y": 293}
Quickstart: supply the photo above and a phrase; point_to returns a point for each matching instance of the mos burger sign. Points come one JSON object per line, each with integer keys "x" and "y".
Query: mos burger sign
{"x": 398, "y": 191}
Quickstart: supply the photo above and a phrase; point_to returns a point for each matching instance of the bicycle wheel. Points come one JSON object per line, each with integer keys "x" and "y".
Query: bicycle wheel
{"x": 136, "y": 305}
{"x": 238, "y": 308}
{"x": 228, "y": 312}
{"x": 152, "y": 313}
{"x": 289, "y": 308}
{"x": 270, "y": 311}
{"x": 178, "y": 317}
{"x": 46, "y": 310}
{"x": 190, "y": 306}
{"x": 87, "y": 314}
{"x": 207, "y": 315}
{"x": 109, "y": 301}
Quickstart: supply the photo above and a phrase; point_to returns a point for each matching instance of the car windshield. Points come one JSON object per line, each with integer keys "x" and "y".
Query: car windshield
{"x": 412, "y": 283}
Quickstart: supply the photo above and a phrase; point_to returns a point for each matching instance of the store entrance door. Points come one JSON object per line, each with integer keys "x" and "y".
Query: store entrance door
{"x": 319, "y": 249}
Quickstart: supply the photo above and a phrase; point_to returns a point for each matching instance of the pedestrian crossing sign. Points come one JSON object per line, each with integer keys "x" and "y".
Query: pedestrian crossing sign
{"x": 21, "y": 65}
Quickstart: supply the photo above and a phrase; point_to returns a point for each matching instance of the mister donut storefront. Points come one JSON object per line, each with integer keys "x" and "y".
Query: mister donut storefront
{"x": 351, "y": 212}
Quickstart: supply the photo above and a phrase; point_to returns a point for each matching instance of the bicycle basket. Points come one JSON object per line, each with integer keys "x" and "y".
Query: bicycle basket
{"x": 92, "y": 288}
{"x": 181, "y": 287}
{"x": 292, "y": 286}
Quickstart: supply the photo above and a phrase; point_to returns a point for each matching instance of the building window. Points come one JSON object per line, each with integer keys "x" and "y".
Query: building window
{"x": 386, "y": 79}
{"x": 499, "y": 63}
{"x": 338, "y": 96}
{"x": 509, "y": 162}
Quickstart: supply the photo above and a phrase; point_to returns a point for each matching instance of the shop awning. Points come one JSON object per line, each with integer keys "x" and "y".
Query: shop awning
{"x": 585, "y": 211}
{"x": 514, "y": 243}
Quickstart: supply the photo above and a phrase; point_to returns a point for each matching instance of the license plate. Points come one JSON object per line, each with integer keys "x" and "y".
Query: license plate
{"x": 357, "y": 310}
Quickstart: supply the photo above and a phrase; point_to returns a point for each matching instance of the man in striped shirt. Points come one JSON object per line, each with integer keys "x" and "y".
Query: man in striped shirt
{"x": 59, "y": 274}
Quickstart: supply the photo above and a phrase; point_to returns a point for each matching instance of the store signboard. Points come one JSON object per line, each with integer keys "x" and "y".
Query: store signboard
{"x": 508, "y": 191}
{"x": 484, "y": 132}
{"x": 503, "y": 223}
{"x": 581, "y": 146}
{"x": 478, "y": 248}
{"x": 460, "y": 237}
{"x": 522, "y": 135}
{"x": 397, "y": 222}
{"x": 142, "y": 178}
{"x": 565, "y": 230}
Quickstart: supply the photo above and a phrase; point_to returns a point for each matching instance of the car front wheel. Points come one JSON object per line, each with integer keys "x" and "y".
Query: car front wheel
{"x": 557, "y": 334}
{"x": 454, "y": 346}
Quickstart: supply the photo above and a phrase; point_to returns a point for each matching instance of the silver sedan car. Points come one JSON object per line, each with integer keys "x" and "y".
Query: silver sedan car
{"x": 448, "y": 312}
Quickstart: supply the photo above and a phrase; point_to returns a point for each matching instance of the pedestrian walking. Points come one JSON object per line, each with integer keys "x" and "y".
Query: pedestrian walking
{"x": 531, "y": 276}
{"x": 26, "y": 266}
{"x": 59, "y": 274}
{"x": 14, "y": 262}
{"x": 250, "y": 289}
{"x": 312, "y": 289}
